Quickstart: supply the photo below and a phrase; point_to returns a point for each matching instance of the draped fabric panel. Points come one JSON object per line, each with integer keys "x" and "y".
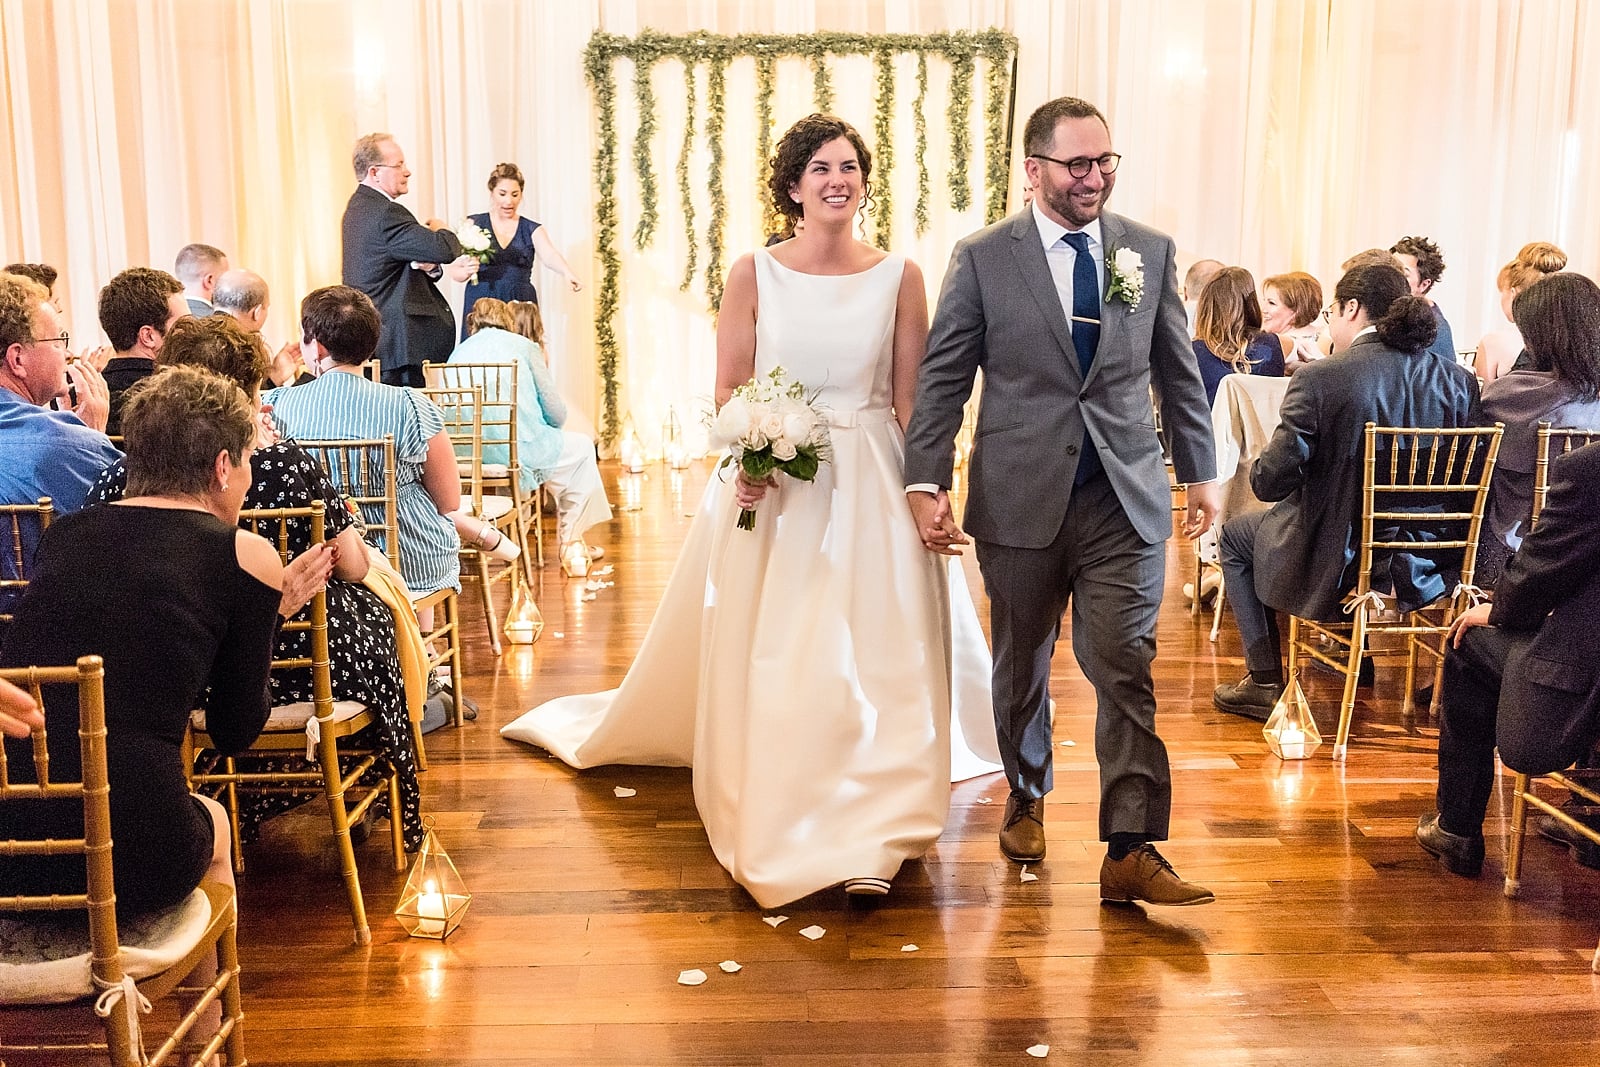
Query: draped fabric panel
{"x": 1280, "y": 134}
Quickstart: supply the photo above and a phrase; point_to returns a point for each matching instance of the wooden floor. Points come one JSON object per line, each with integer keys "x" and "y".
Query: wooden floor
{"x": 1333, "y": 939}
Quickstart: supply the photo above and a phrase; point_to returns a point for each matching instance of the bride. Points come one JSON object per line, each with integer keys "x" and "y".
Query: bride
{"x": 824, "y": 675}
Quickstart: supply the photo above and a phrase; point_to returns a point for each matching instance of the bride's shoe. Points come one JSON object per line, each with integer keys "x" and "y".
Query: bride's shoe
{"x": 866, "y": 887}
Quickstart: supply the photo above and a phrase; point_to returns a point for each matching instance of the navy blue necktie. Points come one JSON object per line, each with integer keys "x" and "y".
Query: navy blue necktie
{"x": 1085, "y": 335}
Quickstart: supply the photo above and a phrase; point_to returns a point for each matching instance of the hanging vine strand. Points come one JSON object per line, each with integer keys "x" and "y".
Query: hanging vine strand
{"x": 766, "y": 86}
{"x": 883, "y": 157}
{"x": 716, "y": 51}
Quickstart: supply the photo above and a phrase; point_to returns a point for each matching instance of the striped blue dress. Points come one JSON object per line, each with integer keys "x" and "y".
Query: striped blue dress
{"x": 347, "y": 407}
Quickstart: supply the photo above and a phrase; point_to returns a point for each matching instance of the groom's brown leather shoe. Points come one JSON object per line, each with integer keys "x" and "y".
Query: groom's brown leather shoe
{"x": 1022, "y": 834}
{"x": 1144, "y": 874}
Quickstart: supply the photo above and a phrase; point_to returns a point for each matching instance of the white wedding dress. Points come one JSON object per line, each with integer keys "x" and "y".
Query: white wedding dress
{"x": 824, "y": 674}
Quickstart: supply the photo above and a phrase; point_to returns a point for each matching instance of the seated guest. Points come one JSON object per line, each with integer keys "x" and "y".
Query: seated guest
{"x": 198, "y": 267}
{"x": 183, "y": 612}
{"x": 361, "y": 633}
{"x": 57, "y": 454}
{"x": 563, "y": 461}
{"x": 1301, "y": 555}
{"x": 19, "y": 715}
{"x": 1559, "y": 320}
{"x": 1423, "y": 266}
{"x": 1520, "y": 673}
{"x": 137, "y": 307}
{"x": 1289, "y": 306}
{"x": 1500, "y": 350}
{"x": 1194, "y": 280}
{"x": 244, "y": 295}
{"x": 1228, "y": 338}
{"x": 43, "y": 273}
{"x": 339, "y": 328}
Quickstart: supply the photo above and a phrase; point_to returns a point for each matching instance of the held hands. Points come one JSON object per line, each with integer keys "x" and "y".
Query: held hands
{"x": 936, "y": 523}
{"x": 18, "y": 713}
{"x": 306, "y": 576}
{"x": 93, "y": 405}
{"x": 461, "y": 268}
{"x": 1477, "y": 615}
{"x": 749, "y": 493}
{"x": 1204, "y": 502}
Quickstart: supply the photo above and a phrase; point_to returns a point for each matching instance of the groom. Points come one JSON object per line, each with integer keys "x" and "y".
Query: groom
{"x": 1074, "y": 315}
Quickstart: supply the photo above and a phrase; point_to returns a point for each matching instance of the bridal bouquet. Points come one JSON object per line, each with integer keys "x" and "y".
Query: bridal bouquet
{"x": 769, "y": 425}
{"x": 475, "y": 242}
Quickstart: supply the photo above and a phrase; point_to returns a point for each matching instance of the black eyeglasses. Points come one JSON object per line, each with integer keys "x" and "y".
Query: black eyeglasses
{"x": 65, "y": 339}
{"x": 1080, "y": 166}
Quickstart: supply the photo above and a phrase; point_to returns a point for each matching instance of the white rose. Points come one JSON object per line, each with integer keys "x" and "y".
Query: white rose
{"x": 771, "y": 426}
{"x": 1127, "y": 260}
{"x": 783, "y": 450}
{"x": 797, "y": 427}
{"x": 731, "y": 422}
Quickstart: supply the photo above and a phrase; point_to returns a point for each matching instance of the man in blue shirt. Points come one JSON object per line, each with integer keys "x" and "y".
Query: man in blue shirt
{"x": 57, "y": 454}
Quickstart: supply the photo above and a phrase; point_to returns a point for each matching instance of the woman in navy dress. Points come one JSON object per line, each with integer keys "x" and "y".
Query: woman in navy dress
{"x": 515, "y": 242}
{"x": 1228, "y": 332}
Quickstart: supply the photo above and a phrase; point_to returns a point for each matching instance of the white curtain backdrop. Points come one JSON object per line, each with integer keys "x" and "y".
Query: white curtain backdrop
{"x": 1278, "y": 134}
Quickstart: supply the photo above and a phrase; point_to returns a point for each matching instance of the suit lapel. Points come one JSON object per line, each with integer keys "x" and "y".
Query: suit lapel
{"x": 1114, "y": 235}
{"x": 1029, "y": 253}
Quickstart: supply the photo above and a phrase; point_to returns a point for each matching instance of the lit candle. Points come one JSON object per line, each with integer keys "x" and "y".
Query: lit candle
{"x": 677, "y": 457}
{"x": 431, "y": 909}
{"x": 1292, "y": 742}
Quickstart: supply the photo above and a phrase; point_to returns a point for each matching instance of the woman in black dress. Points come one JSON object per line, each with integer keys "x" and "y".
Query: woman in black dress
{"x": 182, "y": 605}
{"x": 361, "y": 639}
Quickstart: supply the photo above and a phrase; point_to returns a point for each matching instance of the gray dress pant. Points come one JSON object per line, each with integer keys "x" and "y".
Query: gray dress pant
{"x": 1112, "y": 580}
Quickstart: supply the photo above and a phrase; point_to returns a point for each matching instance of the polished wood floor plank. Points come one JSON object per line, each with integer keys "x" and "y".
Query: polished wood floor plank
{"x": 1333, "y": 939}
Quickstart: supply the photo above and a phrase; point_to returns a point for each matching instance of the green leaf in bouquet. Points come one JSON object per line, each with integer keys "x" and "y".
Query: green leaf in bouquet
{"x": 758, "y": 464}
{"x": 803, "y": 466}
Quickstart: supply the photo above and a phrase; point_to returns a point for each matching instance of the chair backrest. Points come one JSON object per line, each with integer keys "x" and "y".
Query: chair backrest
{"x": 463, "y": 423}
{"x": 372, "y": 370}
{"x": 274, "y": 525}
{"x": 21, "y": 526}
{"x": 364, "y": 471}
{"x": 498, "y": 384}
{"x": 93, "y": 789}
{"x": 1553, "y": 442}
{"x": 1419, "y": 485}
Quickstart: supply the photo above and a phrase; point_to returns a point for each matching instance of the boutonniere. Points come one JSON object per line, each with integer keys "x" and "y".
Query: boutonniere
{"x": 1126, "y": 268}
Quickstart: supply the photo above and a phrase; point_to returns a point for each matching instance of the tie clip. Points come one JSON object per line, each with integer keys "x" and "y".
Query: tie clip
{"x": 1080, "y": 318}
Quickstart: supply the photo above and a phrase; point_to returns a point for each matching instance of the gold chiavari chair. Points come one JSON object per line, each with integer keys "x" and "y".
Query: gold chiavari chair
{"x": 372, "y": 371}
{"x": 1583, "y": 783}
{"x": 1419, "y": 486}
{"x": 463, "y": 422}
{"x": 16, "y": 525}
{"x": 72, "y": 974}
{"x": 315, "y": 727}
{"x": 364, "y": 471}
{"x": 498, "y": 384}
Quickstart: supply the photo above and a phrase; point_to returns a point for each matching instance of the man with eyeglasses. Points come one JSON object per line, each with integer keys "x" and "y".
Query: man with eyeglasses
{"x": 44, "y": 452}
{"x": 1074, "y": 315}
{"x": 395, "y": 260}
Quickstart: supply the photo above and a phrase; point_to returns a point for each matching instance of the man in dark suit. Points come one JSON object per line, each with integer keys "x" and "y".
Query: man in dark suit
{"x": 1301, "y": 555}
{"x": 1521, "y": 671}
{"x": 1073, "y": 314}
{"x": 395, "y": 260}
{"x": 198, "y": 267}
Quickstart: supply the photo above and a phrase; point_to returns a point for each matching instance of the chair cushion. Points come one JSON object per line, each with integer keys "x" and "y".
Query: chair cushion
{"x": 44, "y": 956}
{"x": 490, "y": 470}
{"x": 290, "y": 718}
{"x": 495, "y": 507}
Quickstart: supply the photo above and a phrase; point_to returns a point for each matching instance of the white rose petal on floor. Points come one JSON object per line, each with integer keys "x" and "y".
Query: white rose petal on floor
{"x": 813, "y": 932}
{"x": 1038, "y": 1052}
{"x": 1029, "y": 876}
{"x": 985, "y": 800}
{"x": 623, "y": 792}
{"x": 730, "y": 967}
{"x": 694, "y": 977}
{"x": 908, "y": 948}
{"x": 775, "y": 921}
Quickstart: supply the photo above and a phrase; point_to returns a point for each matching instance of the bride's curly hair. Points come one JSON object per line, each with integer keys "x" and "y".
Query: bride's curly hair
{"x": 795, "y": 150}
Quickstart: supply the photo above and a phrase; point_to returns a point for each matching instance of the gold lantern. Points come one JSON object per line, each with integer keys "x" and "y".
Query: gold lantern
{"x": 524, "y": 622}
{"x": 630, "y": 453}
{"x": 575, "y": 559}
{"x": 1290, "y": 731}
{"x": 434, "y": 899}
{"x": 673, "y": 451}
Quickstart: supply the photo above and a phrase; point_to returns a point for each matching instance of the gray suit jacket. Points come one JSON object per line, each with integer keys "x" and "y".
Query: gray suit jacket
{"x": 999, "y": 310}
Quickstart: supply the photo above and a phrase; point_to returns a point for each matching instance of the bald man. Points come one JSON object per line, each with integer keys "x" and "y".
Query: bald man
{"x": 244, "y": 295}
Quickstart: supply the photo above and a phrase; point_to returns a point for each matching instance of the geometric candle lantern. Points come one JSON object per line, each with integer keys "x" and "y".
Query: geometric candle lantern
{"x": 673, "y": 451}
{"x": 1290, "y": 731}
{"x": 434, "y": 898}
{"x": 524, "y": 623}
{"x": 631, "y": 451}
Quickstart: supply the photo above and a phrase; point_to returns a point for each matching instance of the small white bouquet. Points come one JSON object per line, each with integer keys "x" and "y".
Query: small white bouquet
{"x": 769, "y": 426}
{"x": 475, "y": 242}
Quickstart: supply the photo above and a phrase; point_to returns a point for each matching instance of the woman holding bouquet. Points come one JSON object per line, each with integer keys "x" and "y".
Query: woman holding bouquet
{"x": 507, "y": 273}
{"x": 822, "y": 673}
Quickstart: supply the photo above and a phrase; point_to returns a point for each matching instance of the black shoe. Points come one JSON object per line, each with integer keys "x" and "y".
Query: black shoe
{"x": 1460, "y": 855}
{"x": 1584, "y": 851}
{"x": 1248, "y": 698}
{"x": 439, "y": 691}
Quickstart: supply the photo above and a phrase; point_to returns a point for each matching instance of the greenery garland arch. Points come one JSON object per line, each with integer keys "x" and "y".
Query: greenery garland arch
{"x": 961, "y": 48}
